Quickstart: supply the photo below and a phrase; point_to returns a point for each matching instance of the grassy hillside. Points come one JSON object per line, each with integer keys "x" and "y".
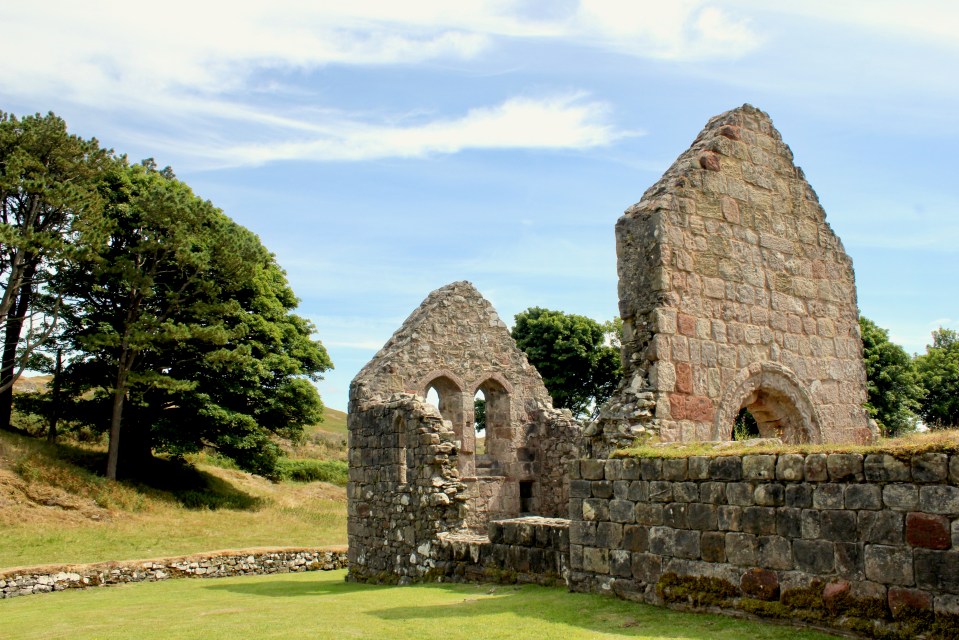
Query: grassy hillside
{"x": 54, "y": 510}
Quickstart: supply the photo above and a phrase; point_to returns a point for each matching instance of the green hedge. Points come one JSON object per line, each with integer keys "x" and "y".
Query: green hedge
{"x": 332, "y": 471}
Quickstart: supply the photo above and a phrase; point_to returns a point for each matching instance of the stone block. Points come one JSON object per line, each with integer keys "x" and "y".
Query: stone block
{"x": 930, "y": 467}
{"x": 592, "y": 469}
{"x": 814, "y": 469}
{"x": 596, "y": 560}
{"x": 580, "y": 489}
{"x": 882, "y": 467}
{"x": 713, "y": 546}
{"x": 759, "y": 467}
{"x": 759, "y": 520}
{"x": 954, "y": 469}
{"x": 674, "y": 515}
{"x": 770, "y": 495}
{"x": 740, "y": 493}
{"x": 742, "y": 549}
{"x": 622, "y": 511}
{"x": 635, "y": 538}
{"x": 704, "y": 517}
{"x": 651, "y": 468}
{"x": 862, "y": 496}
{"x": 638, "y": 491}
{"x": 828, "y": 496}
{"x": 901, "y": 497}
{"x": 609, "y": 534}
{"x": 905, "y": 602}
{"x": 601, "y": 489}
{"x": 888, "y": 565}
{"x": 621, "y": 489}
{"x": 620, "y": 563}
{"x": 685, "y": 491}
{"x": 761, "y": 584}
{"x": 595, "y": 509}
{"x": 849, "y": 560}
{"x": 576, "y": 557}
{"x": 789, "y": 522}
{"x": 789, "y": 467}
{"x": 775, "y": 552}
{"x": 631, "y": 469}
{"x": 881, "y": 527}
{"x": 726, "y": 468}
{"x": 712, "y": 492}
{"x": 810, "y": 523}
{"x": 942, "y": 499}
{"x": 649, "y": 514}
{"x": 927, "y": 530}
{"x": 937, "y": 570}
{"x": 946, "y": 603}
{"x": 814, "y": 556}
{"x": 730, "y": 518}
{"x": 613, "y": 470}
{"x": 799, "y": 495}
{"x": 575, "y": 508}
{"x": 697, "y": 468}
{"x": 838, "y": 525}
{"x": 660, "y": 491}
{"x": 674, "y": 469}
{"x": 647, "y": 568}
{"x": 845, "y": 467}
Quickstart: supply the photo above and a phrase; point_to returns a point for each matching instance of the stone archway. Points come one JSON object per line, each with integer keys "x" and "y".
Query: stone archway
{"x": 777, "y": 399}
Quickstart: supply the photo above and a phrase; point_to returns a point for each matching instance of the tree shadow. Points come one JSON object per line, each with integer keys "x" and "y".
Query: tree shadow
{"x": 591, "y": 612}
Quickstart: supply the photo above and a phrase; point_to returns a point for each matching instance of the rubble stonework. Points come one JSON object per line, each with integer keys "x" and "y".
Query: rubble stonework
{"x": 415, "y": 471}
{"x": 735, "y": 292}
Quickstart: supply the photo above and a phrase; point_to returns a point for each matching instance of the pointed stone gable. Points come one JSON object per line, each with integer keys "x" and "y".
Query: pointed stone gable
{"x": 735, "y": 292}
{"x": 455, "y": 334}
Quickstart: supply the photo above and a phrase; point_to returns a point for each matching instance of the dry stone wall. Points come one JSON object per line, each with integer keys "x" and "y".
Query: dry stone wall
{"x": 735, "y": 292}
{"x": 32, "y": 581}
{"x": 859, "y": 542}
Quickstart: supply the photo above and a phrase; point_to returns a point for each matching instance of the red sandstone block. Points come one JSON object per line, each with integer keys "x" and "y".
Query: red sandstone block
{"x": 927, "y": 530}
{"x": 908, "y": 600}
{"x": 760, "y": 583}
{"x": 700, "y": 409}
{"x": 686, "y": 324}
{"x": 677, "y": 406}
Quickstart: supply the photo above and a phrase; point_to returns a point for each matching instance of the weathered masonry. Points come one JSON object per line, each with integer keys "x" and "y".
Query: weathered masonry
{"x": 735, "y": 293}
{"x": 415, "y": 471}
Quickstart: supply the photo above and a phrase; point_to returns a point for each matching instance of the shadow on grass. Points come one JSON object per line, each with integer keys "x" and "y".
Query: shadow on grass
{"x": 171, "y": 480}
{"x": 590, "y": 612}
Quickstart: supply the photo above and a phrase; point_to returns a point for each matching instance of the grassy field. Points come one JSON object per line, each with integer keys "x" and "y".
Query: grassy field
{"x": 321, "y": 605}
{"x": 52, "y": 511}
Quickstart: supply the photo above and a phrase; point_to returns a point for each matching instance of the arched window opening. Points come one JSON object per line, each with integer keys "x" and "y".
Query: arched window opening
{"x": 403, "y": 453}
{"x": 479, "y": 421}
{"x": 746, "y": 427}
{"x": 497, "y": 428}
{"x": 433, "y": 398}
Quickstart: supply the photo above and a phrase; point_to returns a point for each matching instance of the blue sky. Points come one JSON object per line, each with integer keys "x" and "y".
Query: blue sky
{"x": 384, "y": 149}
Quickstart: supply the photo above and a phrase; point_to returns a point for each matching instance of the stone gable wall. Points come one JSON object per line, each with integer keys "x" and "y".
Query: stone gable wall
{"x": 728, "y": 263}
{"x": 840, "y": 538}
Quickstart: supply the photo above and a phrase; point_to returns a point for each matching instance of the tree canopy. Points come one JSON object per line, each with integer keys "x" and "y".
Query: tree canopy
{"x": 577, "y": 356}
{"x": 891, "y": 381}
{"x": 49, "y": 212}
{"x": 183, "y": 333}
{"x": 938, "y": 371}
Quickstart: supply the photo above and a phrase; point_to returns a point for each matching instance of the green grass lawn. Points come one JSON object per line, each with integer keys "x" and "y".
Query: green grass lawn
{"x": 321, "y": 605}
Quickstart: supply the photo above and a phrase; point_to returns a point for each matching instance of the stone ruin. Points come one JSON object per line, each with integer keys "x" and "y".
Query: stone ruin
{"x": 415, "y": 468}
{"x": 734, "y": 293}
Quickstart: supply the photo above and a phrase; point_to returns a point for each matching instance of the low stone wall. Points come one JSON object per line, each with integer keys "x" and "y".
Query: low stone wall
{"x": 864, "y": 543}
{"x": 530, "y": 549}
{"x": 221, "y": 564}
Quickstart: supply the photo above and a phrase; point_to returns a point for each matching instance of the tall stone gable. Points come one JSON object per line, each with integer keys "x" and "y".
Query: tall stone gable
{"x": 416, "y": 470}
{"x": 735, "y": 293}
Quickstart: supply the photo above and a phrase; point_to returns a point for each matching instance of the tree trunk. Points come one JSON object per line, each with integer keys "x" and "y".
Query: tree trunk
{"x": 8, "y": 362}
{"x": 119, "y": 395}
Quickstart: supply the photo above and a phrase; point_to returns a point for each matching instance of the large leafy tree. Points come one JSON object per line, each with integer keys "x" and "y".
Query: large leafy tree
{"x": 938, "y": 372}
{"x": 49, "y": 209}
{"x": 577, "y": 356}
{"x": 184, "y": 331}
{"x": 891, "y": 380}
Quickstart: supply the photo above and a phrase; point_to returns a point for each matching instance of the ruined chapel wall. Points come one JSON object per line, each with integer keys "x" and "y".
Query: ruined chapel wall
{"x": 403, "y": 488}
{"x": 728, "y": 262}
